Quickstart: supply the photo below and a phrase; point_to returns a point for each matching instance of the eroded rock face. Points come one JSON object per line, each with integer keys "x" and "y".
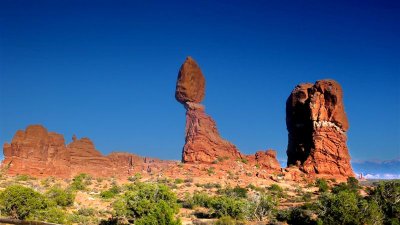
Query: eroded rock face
{"x": 191, "y": 83}
{"x": 317, "y": 125}
{"x": 37, "y": 152}
{"x": 40, "y": 153}
{"x": 202, "y": 140}
{"x": 265, "y": 160}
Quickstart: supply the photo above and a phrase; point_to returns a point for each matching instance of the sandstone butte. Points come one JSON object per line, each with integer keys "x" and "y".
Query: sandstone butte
{"x": 317, "y": 125}
{"x": 315, "y": 119}
{"x": 40, "y": 153}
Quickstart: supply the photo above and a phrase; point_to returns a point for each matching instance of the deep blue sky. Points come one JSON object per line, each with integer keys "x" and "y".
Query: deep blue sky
{"x": 107, "y": 69}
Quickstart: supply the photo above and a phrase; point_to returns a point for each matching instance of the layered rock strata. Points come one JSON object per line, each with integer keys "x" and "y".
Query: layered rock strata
{"x": 317, "y": 125}
{"x": 40, "y": 153}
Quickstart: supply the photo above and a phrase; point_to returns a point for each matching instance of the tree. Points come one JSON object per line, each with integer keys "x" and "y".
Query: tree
{"x": 387, "y": 196}
{"x": 148, "y": 204}
{"x": 262, "y": 206}
{"x": 19, "y": 202}
{"x": 60, "y": 196}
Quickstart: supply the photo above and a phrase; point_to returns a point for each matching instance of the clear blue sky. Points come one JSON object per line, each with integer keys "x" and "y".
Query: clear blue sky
{"x": 107, "y": 69}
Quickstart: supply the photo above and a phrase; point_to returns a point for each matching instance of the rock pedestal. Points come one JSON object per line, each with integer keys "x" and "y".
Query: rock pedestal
{"x": 202, "y": 140}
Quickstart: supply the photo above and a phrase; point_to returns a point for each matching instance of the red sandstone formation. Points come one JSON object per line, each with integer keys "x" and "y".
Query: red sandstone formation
{"x": 203, "y": 142}
{"x": 267, "y": 160}
{"x": 37, "y": 152}
{"x": 191, "y": 83}
{"x": 317, "y": 125}
{"x": 40, "y": 153}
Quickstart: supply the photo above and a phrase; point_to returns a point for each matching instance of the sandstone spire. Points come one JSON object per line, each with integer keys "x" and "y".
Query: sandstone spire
{"x": 317, "y": 125}
{"x": 202, "y": 140}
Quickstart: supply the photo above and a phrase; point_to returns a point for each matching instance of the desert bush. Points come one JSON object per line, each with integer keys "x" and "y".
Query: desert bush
{"x": 178, "y": 181}
{"x": 198, "y": 199}
{"x": 20, "y": 202}
{"x": 306, "y": 197}
{"x": 347, "y": 207}
{"x": 211, "y": 171}
{"x": 226, "y": 220}
{"x": 135, "y": 178}
{"x": 255, "y": 188}
{"x": 322, "y": 185}
{"x": 237, "y": 191}
{"x": 60, "y": 196}
{"x": 52, "y": 215}
{"x": 80, "y": 182}
{"x": 112, "y": 192}
{"x": 387, "y": 195}
{"x": 228, "y": 206}
{"x": 277, "y": 190}
{"x": 148, "y": 203}
{"x": 351, "y": 185}
{"x": 86, "y": 212}
{"x": 261, "y": 207}
{"x": 22, "y": 177}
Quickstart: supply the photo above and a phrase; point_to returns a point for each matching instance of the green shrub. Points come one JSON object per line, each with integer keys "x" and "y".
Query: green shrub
{"x": 80, "y": 182}
{"x": 228, "y": 206}
{"x": 86, "y": 212}
{"x": 61, "y": 197}
{"x": 148, "y": 203}
{"x": 160, "y": 214}
{"x": 22, "y": 177}
{"x": 306, "y": 197}
{"x": 322, "y": 185}
{"x": 52, "y": 215}
{"x": 226, "y": 220}
{"x": 387, "y": 195}
{"x": 112, "y": 192}
{"x": 276, "y": 190}
{"x": 261, "y": 207}
{"x": 351, "y": 185}
{"x": 237, "y": 191}
{"x": 135, "y": 178}
{"x": 178, "y": 181}
{"x": 302, "y": 216}
{"x": 198, "y": 199}
{"x": 211, "y": 171}
{"x": 347, "y": 207}
{"x": 20, "y": 202}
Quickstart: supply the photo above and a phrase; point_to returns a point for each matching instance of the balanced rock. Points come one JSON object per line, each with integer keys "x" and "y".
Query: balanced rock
{"x": 317, "y": 125}
{"x": 191, "y": 83}
{"x": 202, "y": 140}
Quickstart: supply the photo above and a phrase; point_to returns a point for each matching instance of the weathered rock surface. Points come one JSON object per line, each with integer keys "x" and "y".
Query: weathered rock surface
{"x": 202, "y": 140}
{"x": 191, "y": 83}
{"x": 267, "y": 159}
{"x": 40, "y": 153}
{"x": 317, "y": 125}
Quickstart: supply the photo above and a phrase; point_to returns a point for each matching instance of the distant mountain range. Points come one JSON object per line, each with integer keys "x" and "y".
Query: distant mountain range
{"x": 377, "y": 169}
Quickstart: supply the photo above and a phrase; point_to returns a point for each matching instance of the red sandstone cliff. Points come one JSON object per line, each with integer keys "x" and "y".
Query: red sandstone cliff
{"x": 40, "y": 153}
